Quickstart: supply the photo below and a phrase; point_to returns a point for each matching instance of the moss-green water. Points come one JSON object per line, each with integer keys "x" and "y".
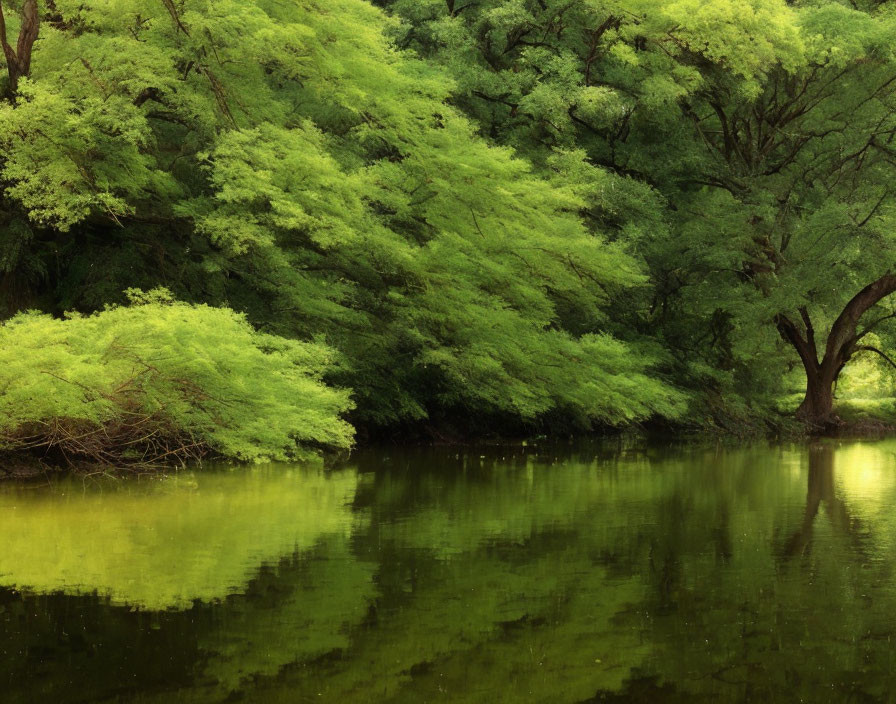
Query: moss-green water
{"x": 623, "y": 573}
{"x": 163, "y": 544}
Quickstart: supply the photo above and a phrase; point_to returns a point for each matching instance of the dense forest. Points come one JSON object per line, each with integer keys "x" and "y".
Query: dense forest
{"x": 262, "y": 228}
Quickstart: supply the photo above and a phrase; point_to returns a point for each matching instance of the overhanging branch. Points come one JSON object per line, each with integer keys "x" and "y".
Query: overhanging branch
{"x": 869, "y": 348}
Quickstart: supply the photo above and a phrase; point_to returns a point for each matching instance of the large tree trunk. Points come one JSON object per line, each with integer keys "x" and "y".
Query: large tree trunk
{"x": 817, "y": 408}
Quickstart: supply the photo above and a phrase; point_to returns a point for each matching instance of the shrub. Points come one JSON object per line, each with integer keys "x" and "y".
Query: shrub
{"x": 163, "y": 382}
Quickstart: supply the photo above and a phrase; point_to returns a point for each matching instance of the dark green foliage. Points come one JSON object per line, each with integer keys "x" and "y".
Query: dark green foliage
{"x": 742, "y": 148}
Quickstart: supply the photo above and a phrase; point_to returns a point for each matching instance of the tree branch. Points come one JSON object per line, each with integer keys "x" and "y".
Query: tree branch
{"x": 791, "y": 334}
{"x": 873, "y": 325}
{"x": 18, "y": 60}
{"x": 843, "y": 331}
{"x": 810, "y": 332}
{"x": 869, "y": 348}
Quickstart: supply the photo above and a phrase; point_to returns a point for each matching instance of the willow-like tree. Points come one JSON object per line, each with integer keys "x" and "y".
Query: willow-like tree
{"x": 285, "y": 160}
{"x": 763, "y": 128}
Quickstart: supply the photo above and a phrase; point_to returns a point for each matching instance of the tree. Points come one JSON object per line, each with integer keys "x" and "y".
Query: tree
{"x": 762, "y": 128}
{"x": 286, "y": 161}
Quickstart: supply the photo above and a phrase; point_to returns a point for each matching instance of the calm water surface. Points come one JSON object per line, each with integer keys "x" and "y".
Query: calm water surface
{"x": 620, "y": 572}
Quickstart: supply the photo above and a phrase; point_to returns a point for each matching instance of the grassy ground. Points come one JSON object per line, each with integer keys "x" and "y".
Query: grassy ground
{"x": 859, "y": 410}
{"x": 859, "y": 414}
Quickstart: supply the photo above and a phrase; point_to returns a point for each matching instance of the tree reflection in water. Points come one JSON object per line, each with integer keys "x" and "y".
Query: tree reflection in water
{"x": 822, "y": 490}
{"x": 645, "y": 573}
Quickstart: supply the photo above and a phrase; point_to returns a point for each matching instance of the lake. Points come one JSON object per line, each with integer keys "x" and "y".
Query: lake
{"x": 612, "y": 571}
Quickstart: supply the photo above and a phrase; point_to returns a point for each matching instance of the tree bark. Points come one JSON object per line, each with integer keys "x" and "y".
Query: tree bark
{"x": 18, "y": 60}
{"x": 817, "y": 408}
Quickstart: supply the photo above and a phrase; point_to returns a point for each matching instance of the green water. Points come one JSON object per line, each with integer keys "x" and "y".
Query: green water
{"x": 621, "y": 572}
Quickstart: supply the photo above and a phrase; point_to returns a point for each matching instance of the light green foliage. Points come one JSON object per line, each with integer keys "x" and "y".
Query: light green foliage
{"x": 466, "y": 258}
{"x": 519, "y": 214}
{"x": 137, "y": 377}
{"x": 286, "y": 161}
{"x": 869, "y": 376}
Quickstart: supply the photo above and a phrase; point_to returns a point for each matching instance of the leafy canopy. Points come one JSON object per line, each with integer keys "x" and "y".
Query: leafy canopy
{"x": 283, "y": 159}
{"x": 743, "y": 148}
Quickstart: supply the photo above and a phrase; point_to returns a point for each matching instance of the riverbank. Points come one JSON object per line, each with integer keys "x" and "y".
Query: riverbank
{"x": 858, "y": 423}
